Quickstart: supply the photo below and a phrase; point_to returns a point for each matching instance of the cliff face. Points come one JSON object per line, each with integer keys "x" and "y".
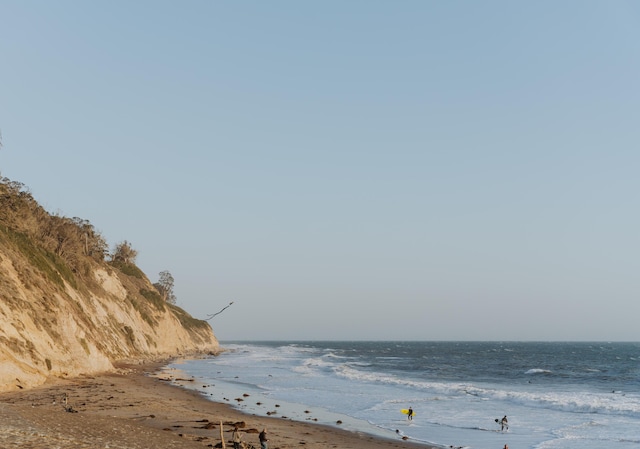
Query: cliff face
{"x": 56, "y": 323}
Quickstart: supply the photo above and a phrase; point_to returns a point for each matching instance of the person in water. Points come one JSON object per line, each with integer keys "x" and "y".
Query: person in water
{"x": 410, "y": 414}
{"x": 504, "y": 423}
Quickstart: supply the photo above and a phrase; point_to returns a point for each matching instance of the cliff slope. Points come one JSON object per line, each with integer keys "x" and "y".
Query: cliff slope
{"x": 65, "y": 312}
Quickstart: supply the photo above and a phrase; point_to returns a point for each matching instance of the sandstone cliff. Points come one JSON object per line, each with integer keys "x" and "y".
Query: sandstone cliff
{"x": 62, "y": 320}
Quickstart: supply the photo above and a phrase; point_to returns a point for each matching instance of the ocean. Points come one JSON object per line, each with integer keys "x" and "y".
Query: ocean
{"x": 555, "y": 395}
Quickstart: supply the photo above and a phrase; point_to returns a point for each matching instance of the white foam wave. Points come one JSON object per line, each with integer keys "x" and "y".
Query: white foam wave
{"x": 538, "y": 371}
{"x": 336, "y": 356}
{"x": 606, "y": 403}
{"x": 312, "y": 365}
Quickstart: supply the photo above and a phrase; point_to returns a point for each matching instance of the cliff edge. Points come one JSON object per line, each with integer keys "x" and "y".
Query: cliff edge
{"x": 66, "y": 309}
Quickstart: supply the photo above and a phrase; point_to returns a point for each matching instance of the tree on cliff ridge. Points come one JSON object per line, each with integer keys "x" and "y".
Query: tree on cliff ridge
{"x": 165, "y": 287}
{"x": 93, "y": 243}
{"x": 124, "y": 252}
{"x": 74, "y": 240}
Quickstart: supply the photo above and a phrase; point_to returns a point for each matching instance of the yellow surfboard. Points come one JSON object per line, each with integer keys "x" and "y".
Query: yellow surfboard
{"x": 406, "y": 411}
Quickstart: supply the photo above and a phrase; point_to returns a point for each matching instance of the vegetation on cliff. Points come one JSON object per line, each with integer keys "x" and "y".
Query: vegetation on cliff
{"x": 63, "y": 248}
{"x": 68, "y": 305}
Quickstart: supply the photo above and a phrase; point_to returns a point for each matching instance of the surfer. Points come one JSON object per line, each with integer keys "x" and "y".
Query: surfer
{"x": 410, "y": 414}
{"x": 504, "y": 424}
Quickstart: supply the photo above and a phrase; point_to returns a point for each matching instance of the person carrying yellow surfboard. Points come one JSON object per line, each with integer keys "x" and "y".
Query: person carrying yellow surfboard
{"x": 409, "y": 412}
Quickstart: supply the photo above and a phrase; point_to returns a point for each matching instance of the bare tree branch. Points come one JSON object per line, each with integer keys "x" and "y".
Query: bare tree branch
{"x": 218, "y": 313}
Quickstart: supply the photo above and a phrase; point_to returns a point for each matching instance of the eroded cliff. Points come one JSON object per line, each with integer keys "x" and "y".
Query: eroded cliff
{"x": 65, "y": 331}
{"x": 65, "y": 319}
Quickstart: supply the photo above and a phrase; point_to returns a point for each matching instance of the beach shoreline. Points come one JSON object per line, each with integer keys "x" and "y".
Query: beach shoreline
{"x": 136, "y": 407}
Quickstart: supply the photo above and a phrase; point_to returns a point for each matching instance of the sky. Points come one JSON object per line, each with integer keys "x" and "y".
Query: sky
{"x": 345, "y": 170}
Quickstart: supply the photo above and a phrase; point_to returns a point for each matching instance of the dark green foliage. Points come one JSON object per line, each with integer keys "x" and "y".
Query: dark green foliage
{"x": 187, "y": 321}
{"x": 154, "y": 298}
{"x": 50, "y": 265}
{"x": 128, "y": 268}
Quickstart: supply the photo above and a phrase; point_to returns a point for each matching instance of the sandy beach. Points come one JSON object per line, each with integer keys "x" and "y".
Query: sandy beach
{"x": 135, "y": 407}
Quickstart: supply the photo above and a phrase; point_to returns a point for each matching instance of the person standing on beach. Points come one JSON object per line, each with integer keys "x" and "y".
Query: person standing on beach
{"x": 235, "y": 437}
{"x": 263, "y": 439}
{"x": 410, "y": 414}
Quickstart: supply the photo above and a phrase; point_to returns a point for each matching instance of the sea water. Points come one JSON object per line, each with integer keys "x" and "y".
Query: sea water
{"x": 555, "y": 395}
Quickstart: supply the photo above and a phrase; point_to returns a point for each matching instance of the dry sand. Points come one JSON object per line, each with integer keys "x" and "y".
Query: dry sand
{"x": 133, "y": 409}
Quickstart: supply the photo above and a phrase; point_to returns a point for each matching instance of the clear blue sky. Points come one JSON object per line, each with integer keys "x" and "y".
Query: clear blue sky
{"x": 407, "y": 170}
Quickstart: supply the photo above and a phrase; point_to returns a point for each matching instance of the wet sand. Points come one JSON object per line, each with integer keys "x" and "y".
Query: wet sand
{"x": 137, "y": 408}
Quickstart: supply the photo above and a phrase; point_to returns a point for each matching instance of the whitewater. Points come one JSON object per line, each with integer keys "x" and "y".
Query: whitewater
{"x": 555, "y": 395}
